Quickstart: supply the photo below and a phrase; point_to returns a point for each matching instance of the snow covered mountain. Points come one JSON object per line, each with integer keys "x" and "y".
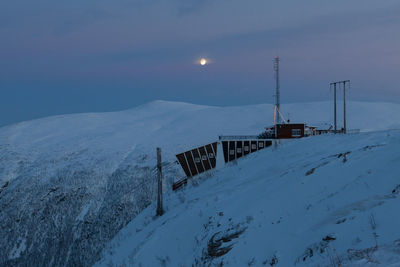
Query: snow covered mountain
{"x": 318, "y": 201}
{"x": 69, "y": 184}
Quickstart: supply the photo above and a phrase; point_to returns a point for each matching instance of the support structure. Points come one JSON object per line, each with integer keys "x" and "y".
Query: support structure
{"x": 344, "y": 104}
{"x": 160, "y": 210}
{"x": 335, "y": 108}
{"x": 277, "y": 91}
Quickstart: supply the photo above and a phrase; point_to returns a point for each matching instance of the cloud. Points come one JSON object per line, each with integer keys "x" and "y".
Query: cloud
{"x": 87, "y": 44}
{"x": 316, "y": 29}
{"x": 188, "y": 7}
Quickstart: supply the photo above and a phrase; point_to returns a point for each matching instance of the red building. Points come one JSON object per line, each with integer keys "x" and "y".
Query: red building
{"x": 287, "y": 131}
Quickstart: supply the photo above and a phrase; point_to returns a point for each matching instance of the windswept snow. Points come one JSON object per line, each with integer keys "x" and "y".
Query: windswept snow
{"x": 69, "y": 183}
{"x": 318, "y": 201}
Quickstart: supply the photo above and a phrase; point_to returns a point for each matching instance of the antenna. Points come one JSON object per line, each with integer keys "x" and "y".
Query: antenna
{"x": 277, "y": 93}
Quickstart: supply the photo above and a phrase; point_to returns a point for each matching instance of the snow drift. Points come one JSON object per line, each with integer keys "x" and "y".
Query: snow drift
{"x": 69, "y": 183}
{"x": 319, "y": 201}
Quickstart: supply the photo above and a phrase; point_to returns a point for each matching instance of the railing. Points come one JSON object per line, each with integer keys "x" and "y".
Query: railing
{"x": 179, "y": 184}
{"x": 238, "y": 137}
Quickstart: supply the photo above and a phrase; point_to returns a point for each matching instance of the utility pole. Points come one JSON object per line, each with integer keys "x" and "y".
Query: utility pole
{"x": 277, "y": 92}
{"x": 334, "y": 103}
{"x": 344, "y": 104}
{"x": 160, "y": 210}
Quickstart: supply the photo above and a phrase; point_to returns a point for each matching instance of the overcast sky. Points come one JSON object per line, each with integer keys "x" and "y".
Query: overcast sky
{"x": 72, "y": 56}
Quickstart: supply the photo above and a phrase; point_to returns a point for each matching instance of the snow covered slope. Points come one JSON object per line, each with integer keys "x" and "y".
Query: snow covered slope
{"x": 318, "y": 201}
{"x": 69, "y": 183}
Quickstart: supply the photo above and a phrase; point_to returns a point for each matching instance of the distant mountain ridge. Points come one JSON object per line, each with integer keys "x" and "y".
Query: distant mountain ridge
{"x": 69, "y": 183}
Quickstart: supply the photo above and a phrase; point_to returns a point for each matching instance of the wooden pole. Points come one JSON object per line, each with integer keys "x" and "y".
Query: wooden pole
{"x": 159, "y": 193}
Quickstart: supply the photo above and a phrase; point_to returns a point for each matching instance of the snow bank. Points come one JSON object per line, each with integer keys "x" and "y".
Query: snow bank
{"x": 319, "y": 201}
{"x": 69, "y": 183}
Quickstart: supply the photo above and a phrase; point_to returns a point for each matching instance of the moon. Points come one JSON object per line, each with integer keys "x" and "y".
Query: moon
{"x": 203, "y": 61}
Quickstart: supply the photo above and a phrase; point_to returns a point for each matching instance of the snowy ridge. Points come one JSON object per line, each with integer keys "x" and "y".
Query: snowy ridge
{"x": 319, "y": 201}
{"x": 69, "y": 183}
{"x": 108, "y": 136}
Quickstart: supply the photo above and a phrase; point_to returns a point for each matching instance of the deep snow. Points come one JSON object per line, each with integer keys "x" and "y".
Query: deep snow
{"x": 318, "y": 201}
{"x": 69, "y": 183}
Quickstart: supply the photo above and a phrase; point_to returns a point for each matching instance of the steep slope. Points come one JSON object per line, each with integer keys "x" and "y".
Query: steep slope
{"x": 319, "y": 201}
{"x": 69, "y": 183}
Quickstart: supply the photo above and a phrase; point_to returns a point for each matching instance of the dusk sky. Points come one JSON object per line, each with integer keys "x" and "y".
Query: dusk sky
{"x": 60, "y": 57}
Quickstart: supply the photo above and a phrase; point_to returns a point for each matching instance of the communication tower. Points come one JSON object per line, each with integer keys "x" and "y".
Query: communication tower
{"x": 277, "y": 92}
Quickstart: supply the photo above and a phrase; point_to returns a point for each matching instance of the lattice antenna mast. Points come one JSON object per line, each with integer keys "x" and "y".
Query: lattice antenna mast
{"x": 277, "y": 93}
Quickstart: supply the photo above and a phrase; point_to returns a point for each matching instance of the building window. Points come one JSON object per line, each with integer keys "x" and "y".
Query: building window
{"x": 296, "y": 132}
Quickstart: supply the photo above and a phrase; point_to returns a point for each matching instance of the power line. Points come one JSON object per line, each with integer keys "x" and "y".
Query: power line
{"x": 344, "y": 82}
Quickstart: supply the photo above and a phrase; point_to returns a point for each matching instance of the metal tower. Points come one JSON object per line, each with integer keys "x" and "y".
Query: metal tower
{"x": 277, "y": 93}
{"x": 344, "y": 104}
